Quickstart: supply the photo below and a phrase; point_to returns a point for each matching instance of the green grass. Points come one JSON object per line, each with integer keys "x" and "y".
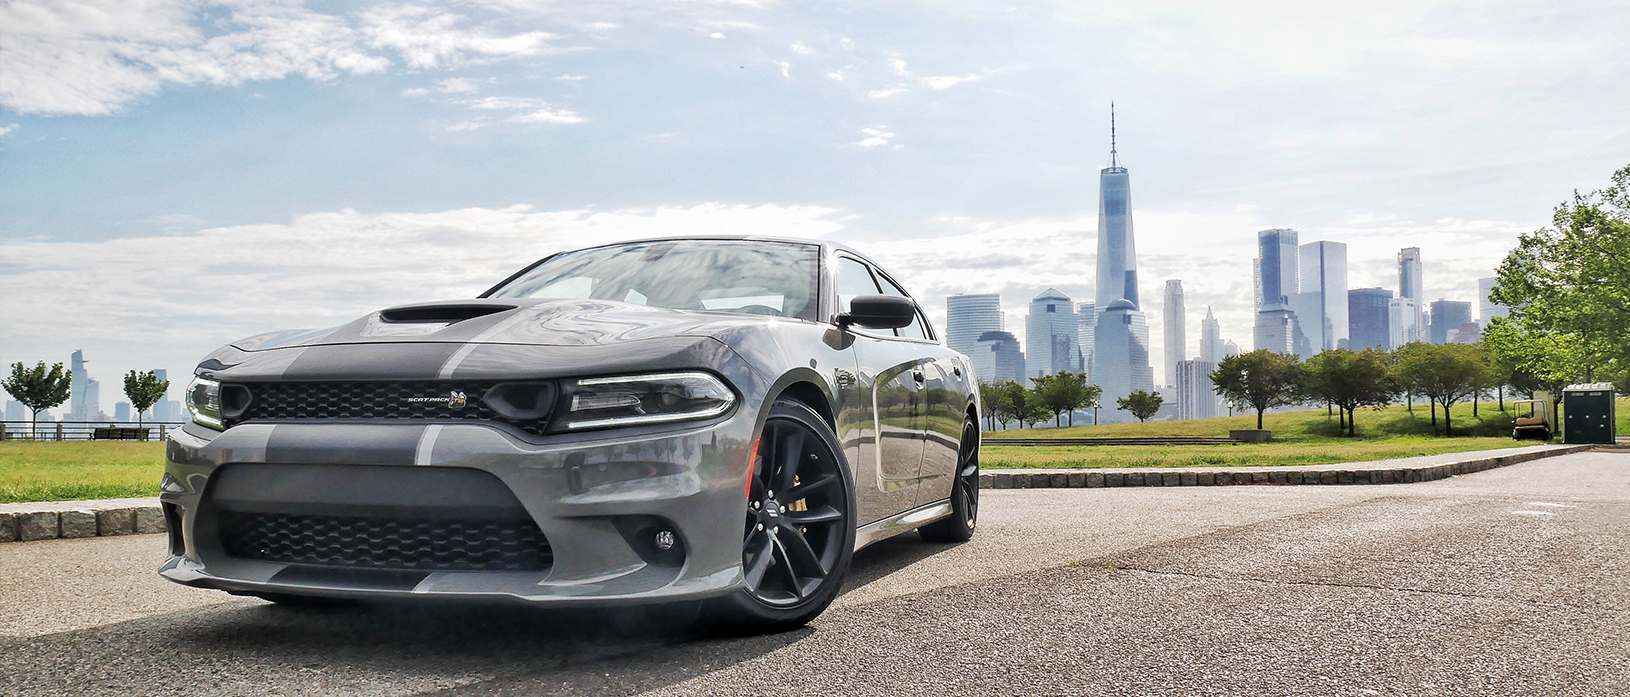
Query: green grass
{"x": 1299, "y": 438}
{"x": 72, "y": 470}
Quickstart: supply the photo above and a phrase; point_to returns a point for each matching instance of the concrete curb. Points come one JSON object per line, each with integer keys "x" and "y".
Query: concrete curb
{"x": 1400, "y": 471}
{"x": 50, "y": 520}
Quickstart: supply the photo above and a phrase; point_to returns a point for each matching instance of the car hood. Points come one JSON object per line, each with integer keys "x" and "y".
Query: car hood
{"x": 523, "y": 321}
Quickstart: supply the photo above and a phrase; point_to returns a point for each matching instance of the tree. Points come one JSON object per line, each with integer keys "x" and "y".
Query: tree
{"x": 1572, "y": 280}
{"x": 1443, "y": 373}
{"x": 38, "y": 389}
{"x": 1016, "y": 403}
{"x": 1261, "y": 379}
{"x": 1536, "y": 360}
{"x": 1142, "y": 404}
{"x": 1064, "y": 392}
{"x": 1351, "y": 379}
{"x": 144, "y": 390}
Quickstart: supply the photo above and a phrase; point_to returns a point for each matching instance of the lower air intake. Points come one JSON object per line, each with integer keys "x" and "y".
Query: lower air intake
{"x": 386, "y": 543}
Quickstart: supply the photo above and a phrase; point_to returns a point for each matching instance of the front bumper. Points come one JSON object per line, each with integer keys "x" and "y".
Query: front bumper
{"x": 587, "y": 494}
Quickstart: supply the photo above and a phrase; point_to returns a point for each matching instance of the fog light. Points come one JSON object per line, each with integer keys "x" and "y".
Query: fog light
{"x": 664, "y": 540}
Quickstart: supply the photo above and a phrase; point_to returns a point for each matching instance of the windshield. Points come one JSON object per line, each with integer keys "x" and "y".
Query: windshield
{"x": 758, "y": 278}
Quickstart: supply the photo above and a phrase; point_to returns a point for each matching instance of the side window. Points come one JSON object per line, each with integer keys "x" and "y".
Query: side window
{"x": 910, "y": 331}
{"x": 853, "y": 279}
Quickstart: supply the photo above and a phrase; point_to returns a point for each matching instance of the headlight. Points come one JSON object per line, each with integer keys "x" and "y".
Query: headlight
{"x": 643, "y": 399}
{"x": 204, "y": 402}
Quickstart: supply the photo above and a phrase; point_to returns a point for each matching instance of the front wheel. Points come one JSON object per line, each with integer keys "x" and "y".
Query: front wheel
{"x": 964, "y": 517}
{"x": 799, "y": 531}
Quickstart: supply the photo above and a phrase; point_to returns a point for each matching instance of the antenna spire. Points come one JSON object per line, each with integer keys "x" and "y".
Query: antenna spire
{"x": 1112, "y": 155}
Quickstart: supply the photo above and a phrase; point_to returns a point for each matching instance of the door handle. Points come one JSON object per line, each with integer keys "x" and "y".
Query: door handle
{"x": 917, "y": 375}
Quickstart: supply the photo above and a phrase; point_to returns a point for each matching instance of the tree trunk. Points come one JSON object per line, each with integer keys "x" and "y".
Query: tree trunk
{"x": 1259, "y": 419}
{"x": 1474, "y": 404}
{"x": 1501, "y": 391}
{"x": 1409, "y": 399}
{"x": 1434, "y": 403}
{"x": 1448, "y": 430}
{"x": 1341, "y": 420}
{"x": 1352, "y": 428}
{"x": 34, "y": 431}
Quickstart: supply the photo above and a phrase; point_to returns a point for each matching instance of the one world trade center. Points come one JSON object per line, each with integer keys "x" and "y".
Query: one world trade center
{"x": 1121, "y": 334}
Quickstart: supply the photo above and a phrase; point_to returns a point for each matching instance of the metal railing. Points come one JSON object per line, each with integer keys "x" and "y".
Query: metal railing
{"x": 87, "y": 430}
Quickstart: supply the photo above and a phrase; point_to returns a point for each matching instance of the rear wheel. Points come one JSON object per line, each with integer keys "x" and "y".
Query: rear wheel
{"x": 799, "y": 530}
{"x": 964, "y": 516}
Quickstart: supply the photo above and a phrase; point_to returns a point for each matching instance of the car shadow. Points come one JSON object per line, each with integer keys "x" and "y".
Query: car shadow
{"x": 251, "y": 647}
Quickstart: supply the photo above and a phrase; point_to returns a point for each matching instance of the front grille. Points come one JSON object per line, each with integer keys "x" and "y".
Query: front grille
{"x": 386, "y": 543}
{"x": 295, "y": 401}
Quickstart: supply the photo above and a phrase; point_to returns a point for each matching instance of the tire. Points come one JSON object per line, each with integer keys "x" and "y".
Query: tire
{"x": 794, "y": 565}
{"x": 959, "y": 526}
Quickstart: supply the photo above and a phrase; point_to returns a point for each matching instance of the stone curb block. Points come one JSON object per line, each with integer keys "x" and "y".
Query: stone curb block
{"x": 1019, "y": 479}
{"x": 71, "y": 523}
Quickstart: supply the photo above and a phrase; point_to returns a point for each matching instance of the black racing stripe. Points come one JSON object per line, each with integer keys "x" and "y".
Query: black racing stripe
{"x": 377, "y": 361}
{"x": 343, "y": 444}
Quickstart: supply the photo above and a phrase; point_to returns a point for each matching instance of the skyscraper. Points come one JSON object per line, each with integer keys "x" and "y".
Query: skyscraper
{"x": 1086, "y": 317}
{"x": 1447, "y": 318}
{"x": 967, "y": 317}
{"x": 1367, "y": 319}
{"x": 1230, "y": 349}
{"x": 1001, "y": 352}
{"x": 1211, "y": 345}
{"x": 1176, "y": 338}
{"x": 1486, "y": 307}
{"x": 1402, "y": 316}
{"x": 84, "y": 394}
{"x": 1321, "y": 309}
{"x": 1120, "y": 361}
{"x": 1409, "y": 286}
{"x": 1052, "y": 340}
{"x": 1194, "y": 392}
{"x": 1278, "y": 279}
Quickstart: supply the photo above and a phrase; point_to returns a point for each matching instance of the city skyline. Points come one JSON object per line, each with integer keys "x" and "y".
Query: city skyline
{"x": 210, "y": 173}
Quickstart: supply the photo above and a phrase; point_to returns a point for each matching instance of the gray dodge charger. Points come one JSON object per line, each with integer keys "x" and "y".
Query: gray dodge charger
{"x": 718, "y": 422}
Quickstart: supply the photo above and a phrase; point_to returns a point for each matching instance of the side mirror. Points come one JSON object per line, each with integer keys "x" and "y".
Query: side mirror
{"x": 879, "y": 312}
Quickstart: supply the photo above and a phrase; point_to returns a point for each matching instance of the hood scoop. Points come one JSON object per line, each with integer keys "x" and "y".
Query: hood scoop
{"x": 441, "y": 313}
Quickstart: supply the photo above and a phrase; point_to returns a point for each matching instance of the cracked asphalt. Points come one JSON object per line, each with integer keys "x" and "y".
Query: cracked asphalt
{"x": 1508, "y": 582}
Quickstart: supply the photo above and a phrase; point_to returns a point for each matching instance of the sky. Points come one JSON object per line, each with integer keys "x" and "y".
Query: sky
{"x": 175, "y": 175}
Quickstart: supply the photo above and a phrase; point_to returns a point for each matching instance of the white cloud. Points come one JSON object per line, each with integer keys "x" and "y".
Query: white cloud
{"x": 505, "y": 103}
{"x": 97, "y": 56}
{"x": 944, "y": 81}
{"x": 835, "y": 76}
{"x": 885, "y": 92}
{"x": 786, "y": 68}
{"x": 875, "y": 137}
{"x": 547, "y": 116}
{"x": 470, "y": 125}
{"x": 428, "y": 38}
{"x": 716, "y": 35}
{"x": 8, "y": 128}
{"x": 799, "y": 47}
{"x": 572, "y": 78}
{"x": 457, "y": 85}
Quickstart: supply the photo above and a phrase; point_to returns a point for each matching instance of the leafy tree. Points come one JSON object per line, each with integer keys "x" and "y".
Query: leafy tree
{"x": 38, "y": 389}
{"x": 1443, "y": 373}
{"x": 1536, "y": 360}
{"x": 1142, "y": 404}
{"x": 1572, "y": 280}
{"x": 1351, "y": 379}
{"x": 1064, "y": 392}
{"x": 144, "y": 390}
{"x": 1019, "y": 404}
{"x": 991, "y": 399}
{"x": 1261, "y": 379}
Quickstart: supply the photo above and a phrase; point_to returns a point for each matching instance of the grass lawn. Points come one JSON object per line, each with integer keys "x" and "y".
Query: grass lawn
{"x": 1299, "y": 438}
{"x": 69, "y": 470}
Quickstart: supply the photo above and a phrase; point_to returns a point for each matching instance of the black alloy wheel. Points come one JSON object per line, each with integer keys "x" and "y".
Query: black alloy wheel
{"x": 799, "y": 531}
{"x": 959, "y": 526}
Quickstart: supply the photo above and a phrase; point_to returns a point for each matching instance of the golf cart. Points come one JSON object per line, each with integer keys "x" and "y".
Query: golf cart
{"x": 1540, "y": 422}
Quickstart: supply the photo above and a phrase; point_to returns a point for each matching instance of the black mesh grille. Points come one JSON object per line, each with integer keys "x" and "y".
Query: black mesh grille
{"x": 386, "y": 543}
{"x": 420, "y": 400}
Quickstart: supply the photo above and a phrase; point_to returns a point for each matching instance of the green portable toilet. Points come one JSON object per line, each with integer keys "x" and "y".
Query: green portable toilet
{"x": 1587, "y": 413}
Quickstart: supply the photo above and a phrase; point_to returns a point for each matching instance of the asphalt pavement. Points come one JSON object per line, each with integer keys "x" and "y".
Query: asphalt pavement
{"x": 1508, "y": 582}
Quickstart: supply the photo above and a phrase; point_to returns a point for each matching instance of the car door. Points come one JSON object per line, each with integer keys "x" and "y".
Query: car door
{"x": 942, "y": 387}
{"x": 891, "y": 378}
